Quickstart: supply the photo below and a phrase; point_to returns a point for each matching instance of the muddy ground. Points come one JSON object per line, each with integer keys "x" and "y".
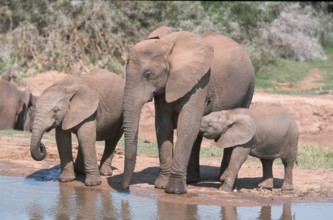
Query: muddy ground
{"x": 314, "y": 116}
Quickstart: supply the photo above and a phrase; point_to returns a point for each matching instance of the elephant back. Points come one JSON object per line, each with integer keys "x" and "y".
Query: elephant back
{"x": 232, "y": 77}
{"x": 108, "y": 84}
{"x": 110, "y": 89}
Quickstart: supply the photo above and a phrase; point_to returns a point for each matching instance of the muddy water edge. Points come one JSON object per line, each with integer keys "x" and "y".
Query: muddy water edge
{"x": 33, "y": 198}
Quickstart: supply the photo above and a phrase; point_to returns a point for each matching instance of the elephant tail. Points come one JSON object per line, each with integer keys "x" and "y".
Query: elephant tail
{"x": 249, "y": 95}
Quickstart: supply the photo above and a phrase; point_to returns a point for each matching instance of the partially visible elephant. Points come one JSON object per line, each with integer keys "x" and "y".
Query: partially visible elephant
{"x": 188, "y": 76}
{"x": 266, "y": 132}
{"x": 17, "y": 108}
{"x": 91, "y": 107}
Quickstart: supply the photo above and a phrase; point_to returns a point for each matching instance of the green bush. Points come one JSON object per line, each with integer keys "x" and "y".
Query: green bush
{"x": 75, "y": 35}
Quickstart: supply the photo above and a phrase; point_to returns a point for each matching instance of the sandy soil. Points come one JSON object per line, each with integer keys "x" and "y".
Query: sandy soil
{"x": 312, "y": 113}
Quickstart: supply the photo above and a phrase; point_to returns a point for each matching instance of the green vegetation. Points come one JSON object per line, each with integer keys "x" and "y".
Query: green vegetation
{"x": 312, "y": 157}
{"x": 288, "y": 72}
{"x": 281, "y": 71}
{"x": 76, "y": 36}
{"x": 144, "y": 147}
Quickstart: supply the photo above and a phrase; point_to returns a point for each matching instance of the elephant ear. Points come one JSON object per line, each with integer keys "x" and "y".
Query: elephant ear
{"x": 25, "y": 100}
{"x": 241, "y": 130}
{"x": 83, "y": 104}
{"x": 190, "y": 59}
{"x": 22, "y": 117}
{"x": 161, "y": 32}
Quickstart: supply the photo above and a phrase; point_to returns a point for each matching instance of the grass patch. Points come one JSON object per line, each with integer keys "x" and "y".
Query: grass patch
{"x": 11, "y": 132}
{"x": 312, "y": 157}
{"x": 47, "y": 137}
{"x": 309, "y": 157}
{"x": 146, "y": 148}
{"x": 284, "y": 71}
{"x": 281, "y": 71}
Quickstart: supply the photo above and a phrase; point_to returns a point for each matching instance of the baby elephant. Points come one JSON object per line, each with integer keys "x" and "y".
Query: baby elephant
{"x": 266, "y": 132}
{"x": 91, "y": 107}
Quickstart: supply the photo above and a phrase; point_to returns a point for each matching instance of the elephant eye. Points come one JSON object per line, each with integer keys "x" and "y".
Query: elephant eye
{"x": 147, "y": 74}
{"x": 56, "y": 109}
{"x": 209, "y": 124}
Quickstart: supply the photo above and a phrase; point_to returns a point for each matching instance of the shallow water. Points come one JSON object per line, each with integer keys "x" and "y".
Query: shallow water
{"x": 27, "y": 198}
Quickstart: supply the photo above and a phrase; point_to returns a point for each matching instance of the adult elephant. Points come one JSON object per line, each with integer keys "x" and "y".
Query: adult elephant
{"x": 91, "y": 107}
{"x": 188, "y": 76}
{"x": 17, "y": 108}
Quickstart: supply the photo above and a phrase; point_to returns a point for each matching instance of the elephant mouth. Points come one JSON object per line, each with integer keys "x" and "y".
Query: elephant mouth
{"x": 50, "y": 128}
{"x": 210, "y": 135}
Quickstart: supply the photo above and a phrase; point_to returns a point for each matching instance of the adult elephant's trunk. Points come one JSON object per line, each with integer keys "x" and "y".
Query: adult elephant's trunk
{"x": 132, "y": 110}
{"x": 37, "y": 149}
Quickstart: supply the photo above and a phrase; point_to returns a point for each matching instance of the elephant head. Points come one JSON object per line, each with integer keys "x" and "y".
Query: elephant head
{"x": 228, "y": 128}
{"x": 169, "y": 67}
{"x": 26, "y": 112}
{"x": 161, "y": 32}
{"x": 17, "y": 107}
{"x": 65, "y": 104}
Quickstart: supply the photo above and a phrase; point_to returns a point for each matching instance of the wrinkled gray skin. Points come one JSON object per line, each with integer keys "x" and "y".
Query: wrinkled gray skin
{"x": 89, "y": 106}
{"x": 17, "y": 108}
{"x": 267, "y": 133}
{"x": 187, "y": 76}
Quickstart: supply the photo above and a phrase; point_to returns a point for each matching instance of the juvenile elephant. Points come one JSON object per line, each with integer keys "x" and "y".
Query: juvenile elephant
{"x": 266, "y": 132}
{"x": 188, "y": 76}
{"x": 17, "y": 108}
{"x": 89, "y": 106}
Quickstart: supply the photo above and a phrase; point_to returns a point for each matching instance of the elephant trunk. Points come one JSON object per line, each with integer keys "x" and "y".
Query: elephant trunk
{"x": 132, "y": 110}
{"x": 37, "y": 149}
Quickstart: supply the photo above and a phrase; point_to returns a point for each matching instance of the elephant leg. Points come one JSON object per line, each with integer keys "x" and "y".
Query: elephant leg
{"x": 64, "y": 144}
{"x": 188, "y": 127}
{"x": 164, "y": 133}
{"x": 238, "y": 157}
{"x": 224, "y": 163}
{"x": 267, "y": 170}
{"x": 288, "y": 174}
{"x": 79, "y": 163}
{"x": 105, "y": 167}
{"x": 87, "y": 138}
{"x": 193, "y": 169}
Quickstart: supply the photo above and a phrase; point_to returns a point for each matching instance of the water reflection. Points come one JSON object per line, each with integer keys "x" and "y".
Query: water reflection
{"x": 31, "y": 199}
{"x": 84, "y": 202}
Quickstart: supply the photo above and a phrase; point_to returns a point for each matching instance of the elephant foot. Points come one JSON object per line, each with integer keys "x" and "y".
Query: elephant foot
{"x": 223, "y": 176}
{"x": 287, "y": 186}
{"x": 161, "y": 181}
{"x": 66, "y": 177}
{"x": 227, "y": 185}
{"x": 176, "y": 185}
{"x": 93, "y": 180}
{"x": 106, "y": 170}
{"x": 266, "y": 184}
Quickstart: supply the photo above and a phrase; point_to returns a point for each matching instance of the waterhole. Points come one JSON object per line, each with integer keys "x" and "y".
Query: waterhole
{"x": 28, "y": 198}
